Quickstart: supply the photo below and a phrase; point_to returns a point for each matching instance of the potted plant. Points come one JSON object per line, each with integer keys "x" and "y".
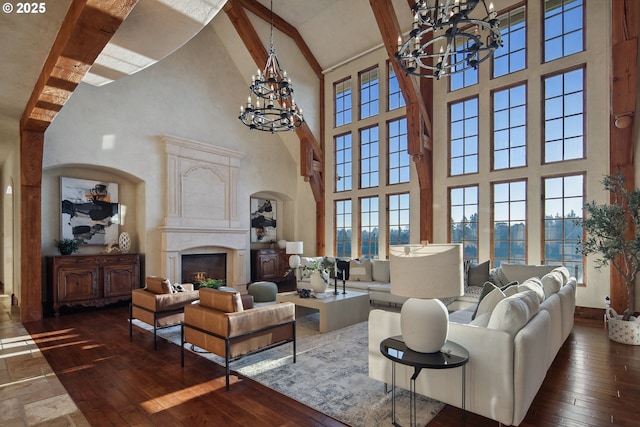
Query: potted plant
{"x": 613, "y": 231}
{"x": 68, "y": 246}
{"x": 211, "y": 283}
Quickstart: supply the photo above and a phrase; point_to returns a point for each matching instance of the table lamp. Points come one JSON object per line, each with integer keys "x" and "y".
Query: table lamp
{"x": 424, "y": 273}
{"x": 294, "y": 249}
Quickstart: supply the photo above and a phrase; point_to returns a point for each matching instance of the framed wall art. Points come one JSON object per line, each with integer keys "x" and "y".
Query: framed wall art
{"x": 89, "y": 211}
{"x": 263, "y": 220}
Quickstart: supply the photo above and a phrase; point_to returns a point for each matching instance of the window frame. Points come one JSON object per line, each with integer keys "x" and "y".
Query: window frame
{"x": 509, "y": 240}
{"x": 451, "y": 222}
{"x": 543, "y": 219}
{"x": 360, "y": 158}
{"x": 388, "y": 225}
{"x": 360, "y": 97}
{"x": 388, "y": 151}
{"x": 336, "y": 164}
{"x": 543, "y": 38}
{"x": 493, "y": 130}
{"x": 477, "y": 135}
{"x": 335, "y": 226}
{"x": 509, "y": 11}
{"x": 335, "y": 102}
{"x": 389, "y": 94}
{"x": 543, "y": 113}
{"x": 361, "y": 254}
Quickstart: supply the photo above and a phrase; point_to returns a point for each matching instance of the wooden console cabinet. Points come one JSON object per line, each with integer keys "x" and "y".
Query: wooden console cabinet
{"x": 92, "y": 280}
{"x": 272, "y": 265}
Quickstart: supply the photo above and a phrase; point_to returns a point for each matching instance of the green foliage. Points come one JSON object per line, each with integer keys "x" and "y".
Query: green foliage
{"x": 68, "y": 246}
{"x": 613, "y": 231}
{"x": 211, "y": 283}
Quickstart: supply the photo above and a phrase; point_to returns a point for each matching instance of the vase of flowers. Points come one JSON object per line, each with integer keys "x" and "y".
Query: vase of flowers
{"x": 319, "y": 277}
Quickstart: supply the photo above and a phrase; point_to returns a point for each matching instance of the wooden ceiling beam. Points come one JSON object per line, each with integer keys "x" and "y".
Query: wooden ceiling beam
{"x": 283, "y": 26}
{"x": 236, "y": 13}
{"x": 85, "y": 31}
{"x": 389, "y": 30}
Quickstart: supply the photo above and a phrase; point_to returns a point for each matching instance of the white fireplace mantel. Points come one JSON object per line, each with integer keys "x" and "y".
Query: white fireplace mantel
{"x": 202, "y": 207}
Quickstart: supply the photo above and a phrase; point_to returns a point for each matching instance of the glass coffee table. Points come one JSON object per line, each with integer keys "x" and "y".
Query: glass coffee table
{"x": 451, "y": 355}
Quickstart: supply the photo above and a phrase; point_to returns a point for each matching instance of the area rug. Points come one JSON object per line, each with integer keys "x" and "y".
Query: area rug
{"x": 330, "y": 375}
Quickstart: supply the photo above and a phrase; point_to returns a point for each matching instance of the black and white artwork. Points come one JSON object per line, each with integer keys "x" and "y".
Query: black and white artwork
{"x": 89, "y": 211}
{"x": 263, "y": 220}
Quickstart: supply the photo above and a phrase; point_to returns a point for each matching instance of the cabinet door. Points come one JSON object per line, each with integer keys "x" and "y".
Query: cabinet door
{"x": 269, "y": 265}
{"x": 119, "y": 280}
{"x": 77, "y": 284}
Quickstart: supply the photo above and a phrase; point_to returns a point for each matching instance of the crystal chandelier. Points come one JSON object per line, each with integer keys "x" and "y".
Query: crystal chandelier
{"x": 270, "y": 105}
{"x": 446, "y": 26}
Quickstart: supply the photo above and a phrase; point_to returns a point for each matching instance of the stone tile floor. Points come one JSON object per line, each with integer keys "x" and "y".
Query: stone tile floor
{"x": 30, "y": 392}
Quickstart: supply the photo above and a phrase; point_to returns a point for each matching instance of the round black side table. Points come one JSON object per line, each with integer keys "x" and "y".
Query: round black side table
{"x": 451, "y": 355}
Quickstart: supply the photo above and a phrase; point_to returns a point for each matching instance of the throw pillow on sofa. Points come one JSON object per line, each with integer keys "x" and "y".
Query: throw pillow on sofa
{"x": 489, "y": 302}
{"x": 522, "y": 272}
{"x": 478, "y": 274}
{"x": 380, "y": 270}
{"x": 360, "y": 270}
{"x": 565, "y": 274}
{"x": 551, "y": 283}
{"x": 508, "y": 290}
{"x": 533, "y": 284}
{"x": 513, "y": 312}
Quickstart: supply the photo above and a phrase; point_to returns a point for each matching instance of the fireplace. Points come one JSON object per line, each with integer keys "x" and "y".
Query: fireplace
{"x": 201, "y": 217}
{"x": 203, "y": 266}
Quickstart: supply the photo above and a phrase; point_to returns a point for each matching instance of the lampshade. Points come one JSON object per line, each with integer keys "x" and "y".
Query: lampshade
{"x": 294, "y": 248}
{"x": 431, "y": 271}
{"x": 424, "y": 273}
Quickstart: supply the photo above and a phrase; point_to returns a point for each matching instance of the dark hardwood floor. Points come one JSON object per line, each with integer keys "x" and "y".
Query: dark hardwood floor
{"x": 592, "y": 382}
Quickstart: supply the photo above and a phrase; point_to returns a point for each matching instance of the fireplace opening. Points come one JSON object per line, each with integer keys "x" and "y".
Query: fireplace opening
{"x": 205, "y": 266}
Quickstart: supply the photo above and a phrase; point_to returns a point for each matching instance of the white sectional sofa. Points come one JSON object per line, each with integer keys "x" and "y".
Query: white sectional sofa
{"x": 512, "y": 341}
{"x": 370, "y": 276}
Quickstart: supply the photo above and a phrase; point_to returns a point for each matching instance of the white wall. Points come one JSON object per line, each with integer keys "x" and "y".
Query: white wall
{"x": 195, "y": 93}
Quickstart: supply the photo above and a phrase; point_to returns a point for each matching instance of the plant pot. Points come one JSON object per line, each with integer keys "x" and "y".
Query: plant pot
{"x": 623, "y": 331}
{"x": 318, "y": 283}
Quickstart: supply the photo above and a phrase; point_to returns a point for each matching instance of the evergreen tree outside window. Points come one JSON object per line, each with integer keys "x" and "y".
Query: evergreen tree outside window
{"x": 509, "y": 223}
{"x": 369, "y": 227}
{"x": 563, "y": 202}
{"x": 463, "y": 220}
{"x": 398, "y": 218}
{"x": 342, "y": 223}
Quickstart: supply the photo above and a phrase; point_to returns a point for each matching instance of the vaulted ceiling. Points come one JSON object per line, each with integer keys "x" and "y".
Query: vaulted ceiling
{"x": 156, "y": 28}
